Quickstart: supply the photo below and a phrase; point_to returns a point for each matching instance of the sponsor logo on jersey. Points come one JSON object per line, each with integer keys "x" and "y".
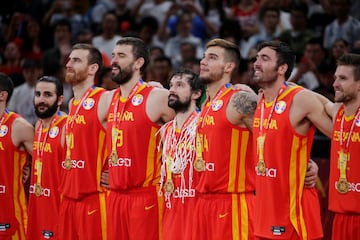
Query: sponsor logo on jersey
{"x": 269, "y": 172}
{"x": 44, "y": 191}
{"x": 180, "y": 193}
{"x": 75, "y": 164}
{"x": 121, "y": 162}
{"x": 2, "y": 189}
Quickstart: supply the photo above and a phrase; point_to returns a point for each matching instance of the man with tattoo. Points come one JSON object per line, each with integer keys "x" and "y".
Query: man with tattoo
{"x": 223, "y": 149}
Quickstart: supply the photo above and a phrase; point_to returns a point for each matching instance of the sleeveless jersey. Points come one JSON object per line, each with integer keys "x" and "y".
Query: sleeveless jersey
{"x": 43, "y": 210}
{"x": 138, "y": 161}
{"x": 13, "y": 215}
{"x": 88, "y": 151}
{"x": 227, "y": 151}
{"x": 282, "y": 203}
{"x": 348, "y": 202}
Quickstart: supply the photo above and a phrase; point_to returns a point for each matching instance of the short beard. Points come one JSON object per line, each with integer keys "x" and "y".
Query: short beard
{"x": 205, "y": 80}
{"x": 123, "y": 76}
{"x": 52, "y": 109}
{"x": 75, "y": 78}
{"x": 179, "y": 106}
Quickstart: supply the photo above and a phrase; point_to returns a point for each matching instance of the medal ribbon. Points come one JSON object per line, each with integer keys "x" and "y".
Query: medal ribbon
{"x": 40, "y": 152}
{"x": 261, "y": 138}
{"x": 199, "y": 139}
{"x": 343, "y": 154}
{"x": 68, "y": 135}
{"x": 114, "y": 133}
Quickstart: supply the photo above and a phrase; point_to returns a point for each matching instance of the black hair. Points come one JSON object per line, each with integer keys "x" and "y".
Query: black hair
{"x": 6, "y": 84}
{"x": 58, "y": 84}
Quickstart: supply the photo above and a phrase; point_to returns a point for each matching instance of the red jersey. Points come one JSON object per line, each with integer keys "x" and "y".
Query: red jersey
{"x": 138, "y": 161}
{"x": 13, "y": 215}
{"x": 282, "y": 203}
{"x": 227, "y": 150}
{"x": 88, "y": 152}
{"x": 349, "y": 201}
{"x": 46, "y": 167}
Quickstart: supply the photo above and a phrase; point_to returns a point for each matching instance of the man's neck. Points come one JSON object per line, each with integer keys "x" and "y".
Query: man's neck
{"x": 181, "y": 117}
{"x": 47, "y": 121}
{"x": 351, "y": 108}
{"x": 127, "y": 87}
{"x": 214, "y": 87}
{"x": 80, "y": 88}
{"x": 271, "y": 90}
{"x": 2, "y": 109}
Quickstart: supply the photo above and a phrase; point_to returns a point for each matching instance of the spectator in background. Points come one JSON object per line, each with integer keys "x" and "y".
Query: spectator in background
{"x": 64, "y": 9}
{"x": 187, "y": 54}
{"x": 215, "y": 12}
{"x": 183, "y": 27}
{"x": 154, "y": 52}
{"x": 305, "y": 73}
{"x": 125, "y": 17}
{"x": 299, "y": 34}
{"x": 154, "y": 8}
{"x": 230, "y": 30}
{"x": 54, "y": 59}
{"x": 269, "y": 18}
{"x": 246, "y": 12}
{"x": 106, "y": 41}
{"x": 105, "y": 80}
{"x": 32, "y": 39}
{"x": 339, "y": 48}
{"x": 160, "y": 71}
{"x": 21, "y": 101}
{"x": 344, "y": 26}
{"x": 86, "y": 36}
{"x": 12, "y": 60}
{"x": 283, "y": 6}
{"x": 147, "y": 31}
{"x": 199, "y": 25}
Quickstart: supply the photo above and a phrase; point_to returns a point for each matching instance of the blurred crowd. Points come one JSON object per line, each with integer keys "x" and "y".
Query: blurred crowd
{"x": 36, "y": 37}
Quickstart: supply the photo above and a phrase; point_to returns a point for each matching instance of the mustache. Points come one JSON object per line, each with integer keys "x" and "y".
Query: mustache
{"x": 42, "y": 105}
{"x": 116, "y": 66}
{"x": 173, "y": 95}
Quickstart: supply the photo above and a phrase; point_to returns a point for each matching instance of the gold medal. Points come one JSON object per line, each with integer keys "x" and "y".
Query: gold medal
{"x": 38, "y": 190}
{"x": 199, "y": 165}
{"x": 261, "y": 167}
{"x": 342, "y": 186}
{"x": 113, "y": 157}
{"x": 169, "y": 186}
{"x": 68, "y": 163}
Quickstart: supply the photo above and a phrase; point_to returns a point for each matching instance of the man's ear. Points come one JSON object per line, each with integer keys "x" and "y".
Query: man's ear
{"x": 3, "y": 96}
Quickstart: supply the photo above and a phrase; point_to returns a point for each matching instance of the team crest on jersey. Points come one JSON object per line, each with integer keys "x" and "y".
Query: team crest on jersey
{"x": 217, "y": 105}
{"x": 357, "y": 122}
{"x": 3, "y": 130}
{"x": 54, "y": 131}
{"x": 137, "y": 99}
{"x": 280, "y": 107}
{"x": 88, "y": 103}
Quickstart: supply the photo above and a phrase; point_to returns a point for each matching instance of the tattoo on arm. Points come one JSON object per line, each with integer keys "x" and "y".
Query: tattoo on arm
{"x": 244, "y": 103}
